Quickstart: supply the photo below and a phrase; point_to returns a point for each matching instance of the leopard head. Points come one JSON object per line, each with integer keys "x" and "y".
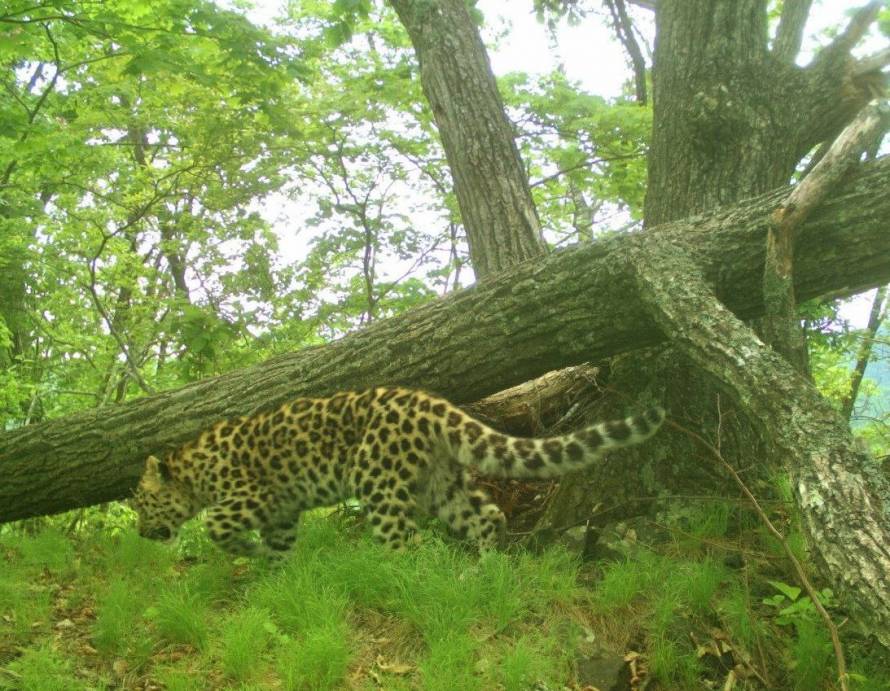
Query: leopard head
{"x": 162, "y": 503}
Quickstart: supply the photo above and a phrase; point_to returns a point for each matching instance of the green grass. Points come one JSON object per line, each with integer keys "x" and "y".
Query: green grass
{"x": 40, "y": 669}
{"x": 530, "y": 659}
{"x": 244, "y": 637}
{"x": 450, "y": 664}
{"x": 181, "y": 616}
{"x": 24, "y": 609}
{"x": 673, "y": 665}
{"x": 113, "y": 631}
{"x": 317, "y": 659}
{"x": 109, "y": 609}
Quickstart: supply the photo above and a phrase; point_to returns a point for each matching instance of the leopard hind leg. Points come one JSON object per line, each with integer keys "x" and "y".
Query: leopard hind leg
{"x": 469, "y": 513}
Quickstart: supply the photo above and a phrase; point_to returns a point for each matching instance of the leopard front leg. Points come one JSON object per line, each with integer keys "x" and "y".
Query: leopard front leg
{"x": 230, "y": 521}
{"x": 280, "y": 534}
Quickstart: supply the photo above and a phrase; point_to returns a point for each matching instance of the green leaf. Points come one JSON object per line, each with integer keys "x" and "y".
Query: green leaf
{"x": 790, "y": 591}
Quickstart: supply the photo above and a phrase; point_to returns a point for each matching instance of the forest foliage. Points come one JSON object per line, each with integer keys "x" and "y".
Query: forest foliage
{"x": 145, "y": 149}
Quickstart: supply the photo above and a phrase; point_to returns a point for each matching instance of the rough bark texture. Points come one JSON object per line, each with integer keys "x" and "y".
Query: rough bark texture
{"x": 489, "y": 180}
{"x": 839, "y": 491}
{"x": 572, "y": 307}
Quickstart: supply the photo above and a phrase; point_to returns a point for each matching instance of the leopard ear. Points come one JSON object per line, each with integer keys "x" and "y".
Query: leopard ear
{"x": 156, "y": 473}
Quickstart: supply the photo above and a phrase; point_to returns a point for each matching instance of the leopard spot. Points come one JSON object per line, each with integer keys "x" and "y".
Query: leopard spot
{"x": 300, "y": 405}
{"x": 474, "y": 430}
{"x": 591, "y": 438}
{"x": 534, "y": 462}
{"x": 574, "y": 450}
{"x": 618, "y": 430}
{"x": 553, "y": 447}
{"x": 641, "y": 425}
{"x": 523, "y": 447}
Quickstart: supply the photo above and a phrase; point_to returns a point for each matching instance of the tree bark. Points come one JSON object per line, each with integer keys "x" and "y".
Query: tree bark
{"x": 839, "y": 491}
{"x": 574, "y": 306}
{"x": 489, "y": 180}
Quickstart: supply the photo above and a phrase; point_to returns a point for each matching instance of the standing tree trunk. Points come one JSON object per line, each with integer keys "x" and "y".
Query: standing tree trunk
{"x": 733, "y": 118}
{"x": 490, "y": 182}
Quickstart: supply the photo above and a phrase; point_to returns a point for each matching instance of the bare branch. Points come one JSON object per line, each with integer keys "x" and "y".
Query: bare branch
{"x": 872, "y": 63}
{"x": 780, "y": 326}
{"x": 875, "y": 319}
{"x": 843, "y": 153}
{"x": 857, "y": 28}
{"x": 624, "y": 30}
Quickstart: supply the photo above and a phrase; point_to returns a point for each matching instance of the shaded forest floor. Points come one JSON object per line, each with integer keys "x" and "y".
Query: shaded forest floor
{"x": 104, "y": 609}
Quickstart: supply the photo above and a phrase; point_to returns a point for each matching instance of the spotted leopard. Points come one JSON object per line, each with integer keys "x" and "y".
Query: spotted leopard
{"x": 399, "y": 451}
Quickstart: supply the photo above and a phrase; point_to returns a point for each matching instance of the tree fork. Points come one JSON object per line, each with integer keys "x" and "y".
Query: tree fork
{"x": 571, "y": 307}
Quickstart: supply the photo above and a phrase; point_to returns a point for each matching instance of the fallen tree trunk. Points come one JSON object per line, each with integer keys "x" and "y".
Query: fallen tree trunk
{"x": 839, "y": 492}
{"x": 574, "y": 306}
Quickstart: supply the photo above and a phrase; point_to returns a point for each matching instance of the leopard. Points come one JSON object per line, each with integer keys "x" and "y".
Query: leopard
{"x": 402, "y": 453}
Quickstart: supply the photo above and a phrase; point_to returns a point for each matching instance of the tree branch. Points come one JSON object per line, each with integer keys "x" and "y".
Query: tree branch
{"x": 872, "y": 63}
{"x": 780, "y": 326}
{"x": 790, "y": 32}
{"x": 624, "y": 29}
{"x": 856, "y": 29}
{"x": 875, "y": 319}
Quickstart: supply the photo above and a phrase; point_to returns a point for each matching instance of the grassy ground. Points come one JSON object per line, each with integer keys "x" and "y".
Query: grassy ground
{"x": 106, "y": 609}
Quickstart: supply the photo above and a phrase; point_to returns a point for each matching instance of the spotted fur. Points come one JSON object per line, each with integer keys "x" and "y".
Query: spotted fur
{"x": 399, "y": 451}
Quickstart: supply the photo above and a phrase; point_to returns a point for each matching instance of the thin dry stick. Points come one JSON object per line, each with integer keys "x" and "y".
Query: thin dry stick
{"x": 798, "y": 567}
